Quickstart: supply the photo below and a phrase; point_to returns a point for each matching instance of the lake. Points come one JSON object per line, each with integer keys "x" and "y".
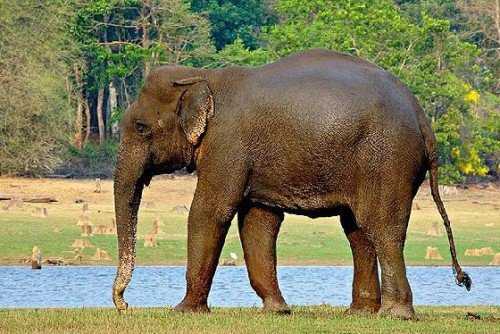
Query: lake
{"x": 22, "y": 287}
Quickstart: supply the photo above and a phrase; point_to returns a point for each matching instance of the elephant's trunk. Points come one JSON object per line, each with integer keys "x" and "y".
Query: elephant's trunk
{"x": 129, "y": 182}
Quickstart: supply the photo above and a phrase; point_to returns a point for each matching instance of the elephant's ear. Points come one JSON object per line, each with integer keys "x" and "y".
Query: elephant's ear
{"x": 195, "y": 108}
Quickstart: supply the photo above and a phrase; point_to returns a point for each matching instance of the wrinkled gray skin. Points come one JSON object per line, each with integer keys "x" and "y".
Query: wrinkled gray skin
{"x": 318, "y": 133}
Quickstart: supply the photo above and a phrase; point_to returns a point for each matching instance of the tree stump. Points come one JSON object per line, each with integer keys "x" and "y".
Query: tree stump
{"x": 433, "y": 254}
{"x": 479, "y": 251}
{"x": 36, "y": 258}
{"x": 156, "y": 226}
{"x": 101, "y": 255}
{"x": 496, "y": 260}
{"x": 150, "y": 240}
{"x": 97, "y": 185}
{"x": 84, "y": 222}
{"x": 435, "y": 230}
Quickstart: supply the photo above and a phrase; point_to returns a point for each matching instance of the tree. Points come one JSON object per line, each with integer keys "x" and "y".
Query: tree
{"x": 483, "y": 28}
{"x": 36, "y": 106}
{"x": 232, "y": 19}
{"x": 123, "y": 39}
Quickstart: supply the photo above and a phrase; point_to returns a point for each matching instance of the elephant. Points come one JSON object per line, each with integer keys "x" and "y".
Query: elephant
{"x": 317, "y": 133}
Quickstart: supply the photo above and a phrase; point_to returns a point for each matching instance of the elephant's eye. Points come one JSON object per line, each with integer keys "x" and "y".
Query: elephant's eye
{"x": 141, "y": 127}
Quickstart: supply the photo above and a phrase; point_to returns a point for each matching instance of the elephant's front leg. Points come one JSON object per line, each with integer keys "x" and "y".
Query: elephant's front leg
{"x": 212, "y": 210}
{"x": 259, "y": 229}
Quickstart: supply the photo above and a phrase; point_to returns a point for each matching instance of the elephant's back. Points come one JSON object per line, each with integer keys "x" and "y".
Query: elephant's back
{"x": 328, "y": 94}
{"x": 328, "y": 116}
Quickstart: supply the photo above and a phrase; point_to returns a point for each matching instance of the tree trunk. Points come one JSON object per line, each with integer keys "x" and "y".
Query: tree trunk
{"x": 79, "y": 140}
{"x": 145, "y": 15}
{"x": 100, "y": 115}
{"x": 87, "y": 121}
{"x": 113, "y": 103}
{"x": 79, "y": 124}
{"x": 497, "y": 22}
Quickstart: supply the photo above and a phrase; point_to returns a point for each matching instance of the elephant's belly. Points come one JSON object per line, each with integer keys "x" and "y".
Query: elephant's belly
{"x": 301, "y": 202}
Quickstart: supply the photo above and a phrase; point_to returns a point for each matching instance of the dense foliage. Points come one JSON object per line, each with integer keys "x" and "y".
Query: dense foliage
{"x": 446, "y": 51}
{"x": 232, "y": 19}
{"x": 35, "y": 113}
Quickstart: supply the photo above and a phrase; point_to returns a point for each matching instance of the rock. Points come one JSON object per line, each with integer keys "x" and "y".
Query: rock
{"x": 472, "y": 316}
{"x": 39, "y": 200}
{"x": 36, "y": 258}
{"x": 79, "y": 200}
{"x": 433, "y": 254}
{"x": 101, "y": 255}
{"x": 479, "y": 251}
{"x": 496, "y": 260}
{"x": 54, "y": 261}
{"x": 228, "y": 262}
{"x": 435, "y": 230}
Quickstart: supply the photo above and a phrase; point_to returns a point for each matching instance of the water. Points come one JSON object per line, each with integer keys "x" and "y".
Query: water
{"x": 160, "y": 286}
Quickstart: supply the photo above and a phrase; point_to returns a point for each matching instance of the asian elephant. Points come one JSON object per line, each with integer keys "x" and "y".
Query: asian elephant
{"x": 318, "y": 133}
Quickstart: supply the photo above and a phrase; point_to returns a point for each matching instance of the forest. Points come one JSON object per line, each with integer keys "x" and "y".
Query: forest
{"x": 69, "y": 69}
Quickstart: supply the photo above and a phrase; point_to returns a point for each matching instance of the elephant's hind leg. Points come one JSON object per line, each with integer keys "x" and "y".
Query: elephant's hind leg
{"x": 365, "y": 286}
{"x": 386, "y": 226}
{"x": 259, "y": 229}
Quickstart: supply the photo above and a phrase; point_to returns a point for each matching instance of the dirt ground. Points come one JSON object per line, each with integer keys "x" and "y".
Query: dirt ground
{"x": 179, "y": 190}
{"x": 165, "y": 190}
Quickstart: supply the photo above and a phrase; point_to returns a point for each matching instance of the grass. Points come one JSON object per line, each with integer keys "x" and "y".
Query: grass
{"x": 475, "y": 216}
{"x": 318, "y": 319}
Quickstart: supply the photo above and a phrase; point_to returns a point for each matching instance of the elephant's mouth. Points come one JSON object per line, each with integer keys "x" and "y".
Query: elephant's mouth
{"x": 163, "y": 169}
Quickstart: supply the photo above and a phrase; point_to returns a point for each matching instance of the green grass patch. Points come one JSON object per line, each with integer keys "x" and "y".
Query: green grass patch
{"x": 475, "y": 217}
{"x": 318, "y": 319}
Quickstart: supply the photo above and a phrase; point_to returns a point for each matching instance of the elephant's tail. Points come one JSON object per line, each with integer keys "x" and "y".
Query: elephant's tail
{"x": 462, "y": 278}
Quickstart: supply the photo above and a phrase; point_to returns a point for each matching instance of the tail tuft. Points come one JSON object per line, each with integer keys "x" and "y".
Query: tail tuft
{"x": 463, "y": 279}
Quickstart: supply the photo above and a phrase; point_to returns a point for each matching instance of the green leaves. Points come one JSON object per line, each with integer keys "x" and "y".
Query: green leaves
{"x": 235, "y": 19}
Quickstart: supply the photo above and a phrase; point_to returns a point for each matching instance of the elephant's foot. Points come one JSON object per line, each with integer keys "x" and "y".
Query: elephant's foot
{"x": 398, "y": 311}
{"x": 187, "y": 307}
{"x": 276, "y": 305}
{"x": 362, "y": 307}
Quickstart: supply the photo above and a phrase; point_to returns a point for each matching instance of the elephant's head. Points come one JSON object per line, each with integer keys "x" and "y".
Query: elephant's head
{"x": 159, "y": 134}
